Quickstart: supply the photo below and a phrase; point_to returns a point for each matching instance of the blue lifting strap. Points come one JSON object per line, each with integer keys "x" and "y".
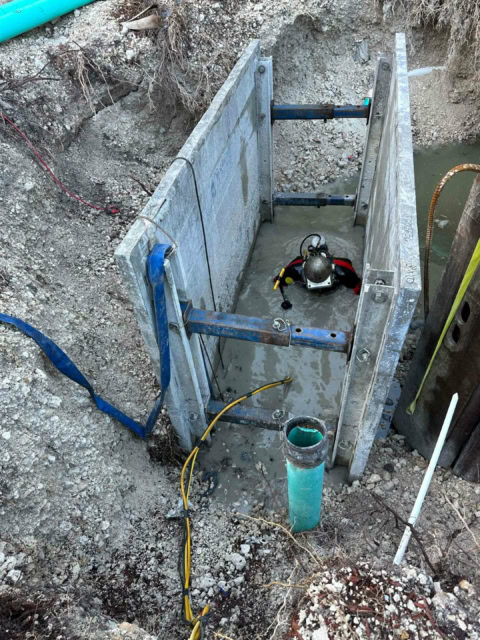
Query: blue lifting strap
{"x": 64, "y": 364}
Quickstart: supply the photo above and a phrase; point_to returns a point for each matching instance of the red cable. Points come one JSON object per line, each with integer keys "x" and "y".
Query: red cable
{"x": 109, "y": 209}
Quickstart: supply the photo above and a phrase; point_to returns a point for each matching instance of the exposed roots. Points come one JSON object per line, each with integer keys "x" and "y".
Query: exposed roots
{"x": 460, "y": 18}
{"x": 181, "y": 77}
{"x": 177, "y": 79}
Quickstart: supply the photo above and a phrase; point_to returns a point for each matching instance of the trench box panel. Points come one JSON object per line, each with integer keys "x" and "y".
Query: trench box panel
{"x": 391, "y": 248}
{"x": 223, "y": 150}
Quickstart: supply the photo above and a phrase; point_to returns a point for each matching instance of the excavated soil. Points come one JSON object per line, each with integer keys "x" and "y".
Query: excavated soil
{"x": 88, "y": 547}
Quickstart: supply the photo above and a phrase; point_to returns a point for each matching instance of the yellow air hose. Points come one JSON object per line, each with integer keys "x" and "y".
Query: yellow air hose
{"x": 186, "y": 553}
{"x": 429, "y": 234}
{"x": 472, "y": 266}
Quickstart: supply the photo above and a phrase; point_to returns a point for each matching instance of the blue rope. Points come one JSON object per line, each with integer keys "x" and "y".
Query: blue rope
{"x": 66, "y": 366}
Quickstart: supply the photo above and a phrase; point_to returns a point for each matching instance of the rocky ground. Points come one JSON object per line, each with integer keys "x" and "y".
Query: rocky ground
{"x": 86, "y": 547}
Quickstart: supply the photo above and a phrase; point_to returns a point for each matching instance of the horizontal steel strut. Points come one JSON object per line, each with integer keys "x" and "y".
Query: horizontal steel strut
{"x": 281, "y": 198}
{"x": 276, "y": 332}
{"x": 319, "y": 111}
{"x": 271, "y": 419}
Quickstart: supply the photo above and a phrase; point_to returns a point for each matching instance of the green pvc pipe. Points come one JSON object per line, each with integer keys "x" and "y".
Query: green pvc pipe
{"x": 306, "y": 450}
{"x": 19, "y": 16}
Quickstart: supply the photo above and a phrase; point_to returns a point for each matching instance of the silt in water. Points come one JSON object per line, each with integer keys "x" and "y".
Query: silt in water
{"x": 250, "y": 461}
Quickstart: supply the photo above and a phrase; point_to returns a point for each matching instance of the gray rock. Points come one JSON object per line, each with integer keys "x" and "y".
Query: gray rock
{"x": 238, "y": 561}
{"x": 362, "y": 53}
{"x": 13, "y": 576}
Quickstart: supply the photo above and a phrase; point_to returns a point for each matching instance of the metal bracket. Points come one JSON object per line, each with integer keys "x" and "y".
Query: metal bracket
{"x": 378, "y": 108}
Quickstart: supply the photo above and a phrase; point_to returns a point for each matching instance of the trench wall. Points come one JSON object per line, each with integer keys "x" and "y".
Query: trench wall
{"x": 392, "y": 280}
{"x": 223, "y": 155}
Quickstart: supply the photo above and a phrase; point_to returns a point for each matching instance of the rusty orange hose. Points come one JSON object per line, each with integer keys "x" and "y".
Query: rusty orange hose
{"x": 429, "y": 234}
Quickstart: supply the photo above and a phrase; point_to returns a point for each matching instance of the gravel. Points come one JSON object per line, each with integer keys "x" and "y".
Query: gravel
{"x": 85, "y": 540}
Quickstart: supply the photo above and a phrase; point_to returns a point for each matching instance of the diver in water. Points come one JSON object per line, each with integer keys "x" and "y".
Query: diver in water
{"x": 315, "y": 269}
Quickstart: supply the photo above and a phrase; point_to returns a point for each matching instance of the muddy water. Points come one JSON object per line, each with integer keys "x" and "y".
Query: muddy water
{"x": 249, "y": 461}
{"x": 430, "y": 166}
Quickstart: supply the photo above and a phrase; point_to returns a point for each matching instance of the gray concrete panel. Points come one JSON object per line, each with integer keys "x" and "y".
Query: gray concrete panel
{"x": 223, "y": 149}
{"x": 391, "y": 246}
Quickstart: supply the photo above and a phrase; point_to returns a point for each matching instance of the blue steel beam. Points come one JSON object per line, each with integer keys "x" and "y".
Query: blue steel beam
{"x": 231, "y": 325}
{"x": 319, "y": 111}
{"x": 282, "y": 199}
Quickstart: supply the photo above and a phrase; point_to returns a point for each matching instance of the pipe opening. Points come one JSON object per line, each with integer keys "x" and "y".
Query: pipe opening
{"x": 304, "y": 437}
{"x": 306, "y": 441}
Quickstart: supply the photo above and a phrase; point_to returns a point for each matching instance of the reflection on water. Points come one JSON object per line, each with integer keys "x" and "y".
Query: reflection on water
{"x": 430, "y": 166}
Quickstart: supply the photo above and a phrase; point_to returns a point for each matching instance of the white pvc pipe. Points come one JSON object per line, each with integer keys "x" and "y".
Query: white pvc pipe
{"x": 426, "y": 481}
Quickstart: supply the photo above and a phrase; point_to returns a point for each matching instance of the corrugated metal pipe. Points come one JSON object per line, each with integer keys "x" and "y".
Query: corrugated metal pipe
{"x": 19, "y": 16}
{"x": 306, "y": 443}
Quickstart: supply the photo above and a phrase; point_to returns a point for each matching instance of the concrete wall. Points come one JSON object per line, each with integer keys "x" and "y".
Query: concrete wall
{"x": 392, "y": 277}
{"x": 223, "y": 149}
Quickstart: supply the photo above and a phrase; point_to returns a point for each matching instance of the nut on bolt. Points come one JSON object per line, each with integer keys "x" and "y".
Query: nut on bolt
{"x": 363, "y": 355}
{"x": 261, "y": 68}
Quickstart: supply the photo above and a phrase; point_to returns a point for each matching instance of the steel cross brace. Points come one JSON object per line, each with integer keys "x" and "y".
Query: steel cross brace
{"x": 282, "y": 199}
{"x": 271, "y": 419}
{"x": 276, "y": 332}
{"x": 320, "y": 111}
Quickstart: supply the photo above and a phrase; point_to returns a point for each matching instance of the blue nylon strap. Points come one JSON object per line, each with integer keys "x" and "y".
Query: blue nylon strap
{"x": 65, "y": 365}
{"x": 156, "y": 275}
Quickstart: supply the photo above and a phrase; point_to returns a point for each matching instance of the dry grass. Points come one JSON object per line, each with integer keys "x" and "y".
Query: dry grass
{"x": 460, "y": 18}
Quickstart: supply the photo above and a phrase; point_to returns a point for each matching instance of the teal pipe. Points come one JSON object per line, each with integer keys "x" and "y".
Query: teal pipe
{"x": 306, "y": 451}
{"x": 19, "y": 16}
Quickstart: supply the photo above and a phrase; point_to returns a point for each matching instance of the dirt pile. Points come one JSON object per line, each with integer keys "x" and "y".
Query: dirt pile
{"x": 83, "y": 503}
{"x": 362, "y": 602}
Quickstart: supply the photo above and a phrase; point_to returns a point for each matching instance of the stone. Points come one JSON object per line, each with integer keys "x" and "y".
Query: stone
{"x": 467, "y": 586}
{"x": 238, "y": 561}
{"x": 129, "y": 54}
{"x": 10, "y": 563}
{"x": 320, "y": 634}
{"x": 13, "y": 576}
{"x": 374, "y": 478}
{"x": 362, "y": 53}
{"x": 28, "y": 186}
